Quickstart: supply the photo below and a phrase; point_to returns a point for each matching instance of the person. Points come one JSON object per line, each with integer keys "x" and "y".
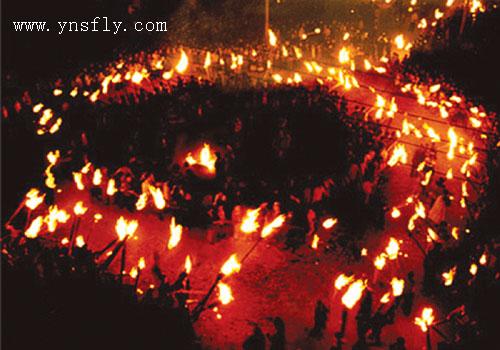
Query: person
{"x": 408, "y": 294}
{"x": 256, "y": 341}
{"x": 320, "y": 318}
{"x": 398, "y": 345}
{"x": 277, "y": 339}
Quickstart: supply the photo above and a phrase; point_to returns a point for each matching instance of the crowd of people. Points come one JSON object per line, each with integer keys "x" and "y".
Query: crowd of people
{"x": 288, "y": 149}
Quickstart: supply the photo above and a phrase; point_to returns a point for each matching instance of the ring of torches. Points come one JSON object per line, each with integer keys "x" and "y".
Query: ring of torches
{"x": 342, "y": 76}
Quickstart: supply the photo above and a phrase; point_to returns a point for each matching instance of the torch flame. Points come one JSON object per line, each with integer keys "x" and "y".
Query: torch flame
{"x": 449, "y": 275}
{"x": 230, "y": 266}
{"x": 79, "y": 209}
{"x": 175, "y": 234}
{"x": 342, "y": 280}
{"x": 329, "y": 223}
{"x": 426, "y": 319}
{"x": 273, "y": 226}
{"x": 158, "y": 198}
{"x": 398, "y": 286}
{"x": 188, "y": 265}
{"x": 34, "y": 228}
{"x": 125, "y": 228}
{"x": 183, "y": 63}
{"x": 353, "y": 294}
{"x": 249, "y": 223}
{"x": 225, "y": 294}
{"x": 33, "y": 198}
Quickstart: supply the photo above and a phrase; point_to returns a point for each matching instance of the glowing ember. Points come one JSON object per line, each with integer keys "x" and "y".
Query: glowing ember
{"x": 353, "y": 294}
{"x": 175, "y": 234}
{"x": 230, "y": 266}
{"x": 329, "y": 223}
{"x": 225, "y": 294}
{"x": 273, "y": 226}
{"x": 426, "y": 319}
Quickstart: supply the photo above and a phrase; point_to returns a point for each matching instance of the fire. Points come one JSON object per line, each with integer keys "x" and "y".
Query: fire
{"x": 141, "y": 264}
{"x": 277, "y": 78}
{"x": 473, "y": 269}
{"x": 188, "y": 265}
{"x": 329, "y": 223}
{"x": 33, "y": 198}
{"x": 273, "y": 40}
{"x": 392, "y": 249}
{"x": 158, "y": 198}
{"x": 273, "y": 226}
{"x": 141, "y": 201}
{"x": 77, "y": 177}
{"x": 250, "y": 223}
{"x": 420, "y": 209}
{"x": 167, "y": 75}
{"x": 183, "y": 63}
{"x": 111, "y": 188}
{"x": 79, "y": 241}
{"x": 55, "y": 216}
{"x": 344, "y": 56}
{"x": 398, "y": 286}
{"x": 353, "y": 294}
{"x": 342, "y": 280}
{"x": 134, "y": 272}
{"x": 225, "y": 294}
{"x": 206, "y": 158}
{"x": 395, "y": 213}
{"x": 476, "y": 6}
{"x": 208, "y": 60}
{"x": 426, "y": 319}
{"x": 230, "y": 266}
{"x": 125, "y": 228}
{"x": 452, "y": 137}
{"x": 483, "y": 259}
{"x": 399, "y": 155}
{"x": 97, "y": 178}
{"x": 379, "y": 261}
{"x": 175, "y": 234}
{"x": 449, "y": 275}
{"x": 34, "y": 228}
{"x": 315, "y": 241}
{"x": 79, "y": 209}
{"x": 385, "y": 298}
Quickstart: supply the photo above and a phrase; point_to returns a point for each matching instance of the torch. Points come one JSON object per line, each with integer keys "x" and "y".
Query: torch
{"x": 349, "y": 299}
{"x": 124, "y": 230}
{"x": 79, "y": 210}
{"x": 230, "y": 266}
{"x": 425, "y": 321}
